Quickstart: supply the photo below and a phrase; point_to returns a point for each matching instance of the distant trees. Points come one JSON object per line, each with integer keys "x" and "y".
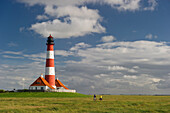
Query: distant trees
{"x": 2, "y": 91}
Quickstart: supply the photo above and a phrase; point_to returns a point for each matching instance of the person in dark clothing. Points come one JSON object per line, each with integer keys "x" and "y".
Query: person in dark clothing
{"x": 94, "y": 97}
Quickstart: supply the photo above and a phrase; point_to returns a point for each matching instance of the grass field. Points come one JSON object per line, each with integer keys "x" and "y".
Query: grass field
{"x": 79, "y": 103}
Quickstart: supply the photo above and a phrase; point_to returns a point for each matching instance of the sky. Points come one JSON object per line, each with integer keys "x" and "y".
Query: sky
{"x": 101, "y": 46}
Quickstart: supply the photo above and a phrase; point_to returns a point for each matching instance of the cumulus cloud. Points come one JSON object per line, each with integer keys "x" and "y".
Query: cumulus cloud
{"x": 108, "y": 38}
{"x": 71, "y": 18}
{"x": 135, "y": 65}
{"x": 79, "y": 22}
{"x": 113, "y": 67}
{"x": 20, "y": 69}
{"x": 16, "y": 73}
{"x": 123, "y": 52}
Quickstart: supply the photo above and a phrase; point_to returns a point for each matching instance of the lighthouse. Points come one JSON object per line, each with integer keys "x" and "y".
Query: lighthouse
{"x": 49, "y": 83}
{"x": 50, "y": 68}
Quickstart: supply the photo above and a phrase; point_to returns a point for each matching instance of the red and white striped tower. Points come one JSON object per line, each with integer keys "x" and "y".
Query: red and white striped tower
{"x": 50, "y": 68}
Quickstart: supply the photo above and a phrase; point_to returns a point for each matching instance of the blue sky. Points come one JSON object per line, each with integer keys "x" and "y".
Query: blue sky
{"x": 101, "y": 46}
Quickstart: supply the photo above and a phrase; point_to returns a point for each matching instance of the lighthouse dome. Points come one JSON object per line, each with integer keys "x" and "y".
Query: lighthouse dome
{"x": 50, "y": 40}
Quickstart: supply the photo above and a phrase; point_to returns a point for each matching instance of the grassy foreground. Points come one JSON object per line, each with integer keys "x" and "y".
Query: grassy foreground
{"x": 78, "y": 103}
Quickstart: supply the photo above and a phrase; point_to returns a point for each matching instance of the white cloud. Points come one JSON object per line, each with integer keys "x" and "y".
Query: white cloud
{"x": 121, "y": 68}
{"x": 119, "y": 61}
{"x": 71, "y": 18}
{"x": 108, "y": 38}
{"x": 73, "y": 11}
{"x": 150, "y": 36}
{"x": 142, "y": 80}
{"x": 136, "y": 83}
{"x": 80, "y": 45}
{"x": 42, "y": 17}
{"x": 156, "y": 79}
{"x": 79, "y": 22}
{"x": 131, "y": 5}
{"x": 152, "y": 5}
{"x": 144, "y": 52}
{"x": 121, "y": 5}
{"x": 136, "y": 67}
{"x": 114, "y": 63}
{"x": 15, "y": 73}
{"x": 100, "y": 75}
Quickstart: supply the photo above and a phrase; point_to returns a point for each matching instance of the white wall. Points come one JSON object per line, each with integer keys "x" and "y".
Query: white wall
{"x": 39, "y": 87}
{"x": 61, "y": 89}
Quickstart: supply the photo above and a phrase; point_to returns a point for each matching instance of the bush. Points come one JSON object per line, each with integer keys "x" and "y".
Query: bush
{"x": 2, "y": 91}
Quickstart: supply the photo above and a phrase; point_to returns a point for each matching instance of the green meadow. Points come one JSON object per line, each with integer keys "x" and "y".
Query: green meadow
{"x": 52, "y": 102}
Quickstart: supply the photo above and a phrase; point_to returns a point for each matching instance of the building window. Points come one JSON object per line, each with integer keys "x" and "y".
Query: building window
{"x": 42, "y": 88}
{"x": 38, "y": 82}
{"x": 35, "y": 88}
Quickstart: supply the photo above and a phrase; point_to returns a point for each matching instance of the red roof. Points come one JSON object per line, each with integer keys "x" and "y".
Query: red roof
{"x": 59, "y": 84}
{"x": 41, "y": 82}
